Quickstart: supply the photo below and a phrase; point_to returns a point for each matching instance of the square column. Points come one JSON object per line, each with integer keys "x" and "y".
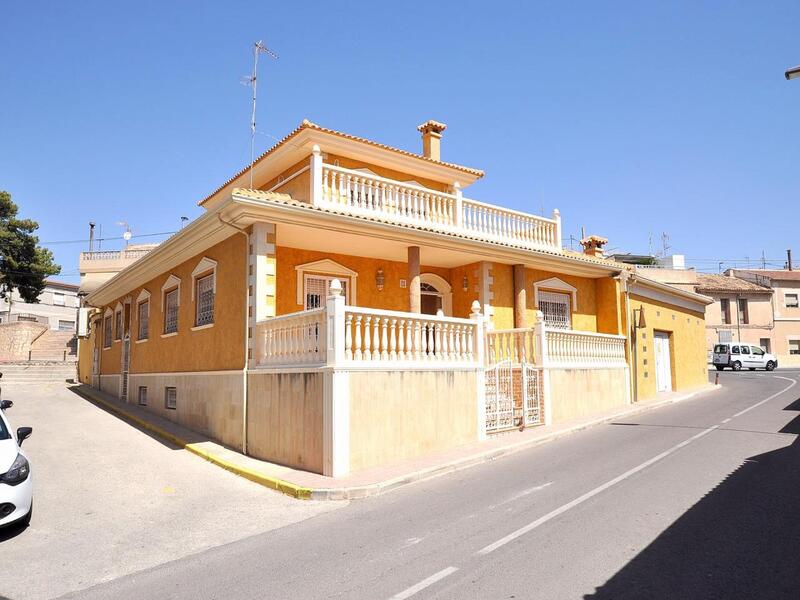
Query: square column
{"x": 262, "y": 282}
{"x": 520, "y": 297}
{"x": 414, "y": 291}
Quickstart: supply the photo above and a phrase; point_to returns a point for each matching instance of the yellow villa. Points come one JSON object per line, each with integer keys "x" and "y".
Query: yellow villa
{"x": 347, "y": 305}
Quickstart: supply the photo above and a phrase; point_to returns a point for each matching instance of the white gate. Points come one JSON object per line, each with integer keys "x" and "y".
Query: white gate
{"x": 513, "y": 396}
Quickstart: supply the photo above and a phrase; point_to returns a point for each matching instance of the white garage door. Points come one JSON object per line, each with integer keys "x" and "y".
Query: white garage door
{"x": 663, "y": 364}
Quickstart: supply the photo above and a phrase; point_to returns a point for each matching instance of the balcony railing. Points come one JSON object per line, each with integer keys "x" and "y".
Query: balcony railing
{"x": 353, "y": 192}
{"x": 115, "y": 254}
{"x": 583, "y": 349}
{"x": 293, "y": 339}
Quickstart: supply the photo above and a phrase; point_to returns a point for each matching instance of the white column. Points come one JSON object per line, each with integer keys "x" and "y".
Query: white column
{"x": 336, "y": 390}
{"x": 459, "y": 206}
{"x": 557, "y": 217}
{"x": 261, "y": 283}
{"x": 480, "y": 374}
{"x": 543, "y": 362}
{"x": 315, "y": 191}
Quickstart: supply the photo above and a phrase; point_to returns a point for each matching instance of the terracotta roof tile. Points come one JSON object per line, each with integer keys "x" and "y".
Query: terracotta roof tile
{"x": 724, "y": 283}
{"x": 780, "y": 274}
{"x": 306, "y": 124}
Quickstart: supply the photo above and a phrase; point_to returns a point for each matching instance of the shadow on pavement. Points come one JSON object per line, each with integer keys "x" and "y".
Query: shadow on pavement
{"x": 742, "y": 540}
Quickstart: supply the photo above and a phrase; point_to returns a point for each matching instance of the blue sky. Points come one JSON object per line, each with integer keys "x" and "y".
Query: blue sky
{"x": 630, "y": 118}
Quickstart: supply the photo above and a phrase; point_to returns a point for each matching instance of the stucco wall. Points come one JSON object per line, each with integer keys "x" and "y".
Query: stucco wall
{"x": 216, "y": 348}
{"x": 403, "y": 414}
{"x": 16, "y": 339}
{"x": 581, "y": 392}
{"x": 208, "y": 403}
{"x": 284, "y": 419}
{"x": 688, "y": 355}
{"x": 393, "y": 297}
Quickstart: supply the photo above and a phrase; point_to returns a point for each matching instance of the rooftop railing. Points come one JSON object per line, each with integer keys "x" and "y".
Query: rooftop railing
{"x": 116, "y": 254}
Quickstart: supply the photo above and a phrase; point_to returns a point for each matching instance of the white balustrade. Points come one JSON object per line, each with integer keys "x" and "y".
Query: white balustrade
{"x": 577, "y": 349}
{"x": 357, "y": 193}
{"x": 293, "y": 339}
{"x": 511, "y": 226}
{"x": 381, "y": 337}
{"x": 516, "y": 345}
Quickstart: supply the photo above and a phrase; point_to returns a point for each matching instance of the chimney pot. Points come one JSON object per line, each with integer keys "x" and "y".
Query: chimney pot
{"x": 593, "y": 245}
{"x": 432, "y": 139}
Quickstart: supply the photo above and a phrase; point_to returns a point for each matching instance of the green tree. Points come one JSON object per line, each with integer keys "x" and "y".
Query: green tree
{"x": 24, "y": 264}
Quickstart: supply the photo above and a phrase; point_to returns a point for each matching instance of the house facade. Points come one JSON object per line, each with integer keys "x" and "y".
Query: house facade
{"x": 57, "y": 307}
{"x": 353, "y": 307}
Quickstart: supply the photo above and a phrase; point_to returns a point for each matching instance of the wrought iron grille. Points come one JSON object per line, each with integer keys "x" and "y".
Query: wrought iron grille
{"x": 205, "y": 300}
{"x": 107, "y": 332}
{"x": 556, "y": 309}
{"x": 144, "y": 320}
{"x": 171, "y": 312}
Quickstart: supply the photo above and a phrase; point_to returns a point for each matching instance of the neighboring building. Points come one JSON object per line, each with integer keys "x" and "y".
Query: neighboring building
{"x": 99, "y": 266}
{"x": 785, "y": 285}
{"x": 57, "y": 307}
{"x": 356, "y": 308}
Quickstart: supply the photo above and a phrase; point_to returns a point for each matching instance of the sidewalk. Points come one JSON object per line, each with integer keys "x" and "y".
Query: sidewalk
{"x": 370, "y": 482}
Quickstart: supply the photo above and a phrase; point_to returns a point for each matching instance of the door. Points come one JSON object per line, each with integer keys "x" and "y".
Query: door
{"x": 757, "y": 358}
{"x": 663, "y": 362}
{"x": 749, "y": 359}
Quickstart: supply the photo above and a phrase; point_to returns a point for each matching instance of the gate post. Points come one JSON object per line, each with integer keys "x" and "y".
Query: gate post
{"x": 480, "y": 373}
{"x": 335, "y": 389}
{"x": 543, "y": 360}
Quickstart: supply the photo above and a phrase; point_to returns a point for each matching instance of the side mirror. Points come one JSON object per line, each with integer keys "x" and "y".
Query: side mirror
{"x": 4, "y": 404}
{"x": 23, "y": 433}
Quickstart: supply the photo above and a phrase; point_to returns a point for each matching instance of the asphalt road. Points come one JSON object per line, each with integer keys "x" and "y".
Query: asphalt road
{"x": 698, "y": 499}
{"x": 111, "y": 500}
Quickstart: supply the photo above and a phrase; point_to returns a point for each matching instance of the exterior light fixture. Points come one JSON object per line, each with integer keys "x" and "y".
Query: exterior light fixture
{"x": 465, "y": 283}
{"x": 380, "y": 279}
{"x": 793, "y": 73}
{"x": 642, "y": 323}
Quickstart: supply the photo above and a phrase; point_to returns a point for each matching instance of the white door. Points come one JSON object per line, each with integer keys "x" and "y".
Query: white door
{"x": 663, "y": 363}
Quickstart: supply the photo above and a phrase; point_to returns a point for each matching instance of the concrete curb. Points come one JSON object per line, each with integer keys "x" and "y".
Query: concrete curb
{"x": 375, "y": 489}
{"x": 274, "y": 483}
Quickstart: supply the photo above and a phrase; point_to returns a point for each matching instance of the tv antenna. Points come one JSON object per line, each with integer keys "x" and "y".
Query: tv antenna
{"x": 127, "y": 234}
{"x": 258, "y": 49}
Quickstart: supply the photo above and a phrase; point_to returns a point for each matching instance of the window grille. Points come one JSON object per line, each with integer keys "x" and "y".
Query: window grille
{"x": 556, "y": 310}
{"x": 143, "y": 395}
{"x": 107, "y": 332}
{"x": 318, "y": 288}
{"x": 171, "y": 398}
{"x": 118, "y": 325}
{"x": 205, "y": 300}
{"x": 171, "y": 311}
{"x": 144, "y": 320}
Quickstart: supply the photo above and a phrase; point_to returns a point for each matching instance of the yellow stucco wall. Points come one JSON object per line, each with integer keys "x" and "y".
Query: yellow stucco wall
{"x": 393, "y": 297}
{"x": 686, "y": 329}
{"x": 220, "y": 347}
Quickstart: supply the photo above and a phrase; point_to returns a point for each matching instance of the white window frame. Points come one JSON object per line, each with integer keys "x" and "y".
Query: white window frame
{"x": 796, "y": 300}
{"x": 789, "y": 341}
{"x": 60, "y": 295}
{"x": 327, "y": 268}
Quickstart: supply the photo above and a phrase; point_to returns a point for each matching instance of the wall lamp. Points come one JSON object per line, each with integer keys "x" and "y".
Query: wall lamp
{"x": 465, "y": 283}
{"x": 380, "y": 279}
{"x": 639, "y": 322}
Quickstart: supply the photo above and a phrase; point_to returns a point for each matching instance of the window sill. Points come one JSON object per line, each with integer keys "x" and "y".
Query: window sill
{"x": 142, "y": 341}
{"x": 199, "y": 327}
{"x": 166, "y": 335}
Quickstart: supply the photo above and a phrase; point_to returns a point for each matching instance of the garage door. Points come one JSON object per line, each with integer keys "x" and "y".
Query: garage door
{"x": 663, "y": 363}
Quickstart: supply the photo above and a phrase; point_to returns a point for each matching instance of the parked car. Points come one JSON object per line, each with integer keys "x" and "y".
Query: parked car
{"x": 740, "y": 356}
{"x": 16, "y": 485}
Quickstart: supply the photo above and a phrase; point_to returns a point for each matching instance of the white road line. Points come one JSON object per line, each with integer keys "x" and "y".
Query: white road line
{"x": 775, "y": 395}
{"x": 414, "y": 589}
{"x": 590, "y": 494}
{"x": 521, "y": 494}
{"x": 728, "y": 420}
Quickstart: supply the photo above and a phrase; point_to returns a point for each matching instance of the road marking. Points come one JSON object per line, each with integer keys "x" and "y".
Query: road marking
{"x": 601, "y": 488}
{"x": 521, "y": 494}
{"x": 728, "y": 420}
{"x": 757, "y": 404}
{"x": 414, "y": 589}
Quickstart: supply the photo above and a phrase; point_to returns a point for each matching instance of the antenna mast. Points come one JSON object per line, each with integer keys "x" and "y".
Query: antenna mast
{"x": 258, "y": 48}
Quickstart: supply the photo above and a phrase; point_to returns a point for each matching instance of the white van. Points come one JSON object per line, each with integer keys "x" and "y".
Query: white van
{"x": 738, "y": 356}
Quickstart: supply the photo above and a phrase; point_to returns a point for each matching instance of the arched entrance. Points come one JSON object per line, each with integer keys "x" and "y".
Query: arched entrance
{"x": 436, "y": 294}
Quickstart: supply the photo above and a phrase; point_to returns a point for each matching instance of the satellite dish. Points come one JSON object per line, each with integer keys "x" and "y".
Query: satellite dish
{"x": 126, "y": 236}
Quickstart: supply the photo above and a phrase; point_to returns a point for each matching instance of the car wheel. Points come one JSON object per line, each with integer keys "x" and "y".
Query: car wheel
{"x": 770, "y": 366}
{"x": 737, "y": 366}
{"x": 719, "y": 367}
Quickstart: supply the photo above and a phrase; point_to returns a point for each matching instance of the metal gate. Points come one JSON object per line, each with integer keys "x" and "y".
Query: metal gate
{"x": 513, "y": 396}
{"x": 126, "y": 360}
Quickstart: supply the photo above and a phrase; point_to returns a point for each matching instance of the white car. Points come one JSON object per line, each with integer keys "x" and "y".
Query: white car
{"x": 16, "y": 485}
{"x": 740, "y": 356}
